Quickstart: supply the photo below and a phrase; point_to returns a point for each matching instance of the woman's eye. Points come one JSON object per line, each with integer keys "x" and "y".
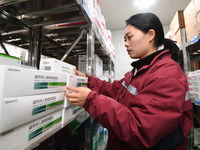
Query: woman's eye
{"x": 129, "y": 37}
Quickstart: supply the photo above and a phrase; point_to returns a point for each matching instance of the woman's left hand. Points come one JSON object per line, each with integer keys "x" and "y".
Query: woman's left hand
{"x": 79, "y": 97}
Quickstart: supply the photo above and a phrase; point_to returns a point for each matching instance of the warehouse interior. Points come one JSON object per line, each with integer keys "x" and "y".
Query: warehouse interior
{"x": 87, "y": 35}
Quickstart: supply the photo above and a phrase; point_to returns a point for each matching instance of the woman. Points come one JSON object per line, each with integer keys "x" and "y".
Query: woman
{"x": 150, "y": 107}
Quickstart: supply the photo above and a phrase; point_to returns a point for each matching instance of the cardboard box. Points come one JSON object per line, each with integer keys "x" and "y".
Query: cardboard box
{"x": 9, "y": 60}
{"x": 75, "y": 81}
{"x": 17, "y": 81}
{"x": 191, "y": 29}
{"x": 198, "y": 21}
{"x": 31, "y": 133}
{"x": 97, "y": 6}
{"x": 195, "y": 89}
{"x": 177, "y": 38}
{"x": 17, "y": 111}
{"x": 195, "y": 65}
{"x": 197, "y": 5}
{"x": 55, "y": 65}
{"x": 195, "y": 95}
{"x": 82, "y": 63}
{"x": 70, "y": 113}
{"x": 177, "y": 22}
{"x": 189, "y": 13}
{"x": 98, "y": 65}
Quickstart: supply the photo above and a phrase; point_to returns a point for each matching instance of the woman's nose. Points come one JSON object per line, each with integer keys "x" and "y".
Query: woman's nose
{"x": 126, "y": 44}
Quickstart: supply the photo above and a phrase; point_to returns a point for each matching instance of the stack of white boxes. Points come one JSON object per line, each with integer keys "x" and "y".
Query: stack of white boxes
{"x": 102, "y": 32}
{"x": 54, "y": 65}
{"x": 194, "y": 85}
{"x": 32, "y": 103}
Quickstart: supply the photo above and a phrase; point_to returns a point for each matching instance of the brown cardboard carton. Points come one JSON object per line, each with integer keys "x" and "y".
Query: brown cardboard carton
{"x": 177, "y": 38}
{"x": 198, "y": 21}
{"x": 177, "y": 22}
{"x": 191, "y": 29}
{"x": 197, "y": 5}
{"x": 189, "y": 13}
{"x": 195, "y": 65}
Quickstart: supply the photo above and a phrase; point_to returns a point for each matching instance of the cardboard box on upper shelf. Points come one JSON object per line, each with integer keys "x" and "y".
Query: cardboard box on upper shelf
{"x": 191, "y": 29}
{"x": 189, "y": 13}
{"x": 177, "y": 38}
{"x": 198, "y": 21}
{"x": 196, "y": 5}
{"x": 177, "y": 22}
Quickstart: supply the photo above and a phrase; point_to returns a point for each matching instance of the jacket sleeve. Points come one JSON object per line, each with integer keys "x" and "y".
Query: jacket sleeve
{"x": 103, "y": 87}
{"x": 153, "y": 114}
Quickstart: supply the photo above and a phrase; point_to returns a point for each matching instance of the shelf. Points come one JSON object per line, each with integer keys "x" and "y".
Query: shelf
{"x": 61, "y": 24}
{"x": 191, "y": 47}
{"x": 49, "y": 28}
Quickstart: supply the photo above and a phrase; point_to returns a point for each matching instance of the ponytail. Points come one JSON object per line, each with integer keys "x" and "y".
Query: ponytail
{"x": 169, "y": 44}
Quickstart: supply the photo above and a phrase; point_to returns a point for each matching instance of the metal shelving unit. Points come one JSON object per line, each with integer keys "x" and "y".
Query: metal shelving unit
{"x": 56, "y": 29}
{"x": 188, "y": 49}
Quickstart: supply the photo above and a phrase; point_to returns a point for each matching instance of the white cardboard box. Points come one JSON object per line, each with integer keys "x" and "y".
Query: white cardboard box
{"x": 17, "y": 111}
{"x": 17, "y": 81}
{"x": 55, "y": 65}
{"x": 195, "y": 95}
{"x": 75, "y": 81}
{"x": 31, "y": 133}
{"x": 82, "y": 63}
{"x": 9, "y": 60}
{"x": 98, "y": 65}
{"x": 70, "y": 113}
{"x": 194, "y": 89}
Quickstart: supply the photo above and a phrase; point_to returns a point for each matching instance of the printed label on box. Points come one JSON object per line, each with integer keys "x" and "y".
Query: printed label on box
{"x": 41, "y": 126}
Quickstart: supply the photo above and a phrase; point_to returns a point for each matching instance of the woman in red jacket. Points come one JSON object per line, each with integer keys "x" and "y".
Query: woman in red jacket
{"x": 150, "y": 107}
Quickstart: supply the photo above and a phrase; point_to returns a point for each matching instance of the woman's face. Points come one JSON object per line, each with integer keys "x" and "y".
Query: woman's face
{"x": 138, "y": 44}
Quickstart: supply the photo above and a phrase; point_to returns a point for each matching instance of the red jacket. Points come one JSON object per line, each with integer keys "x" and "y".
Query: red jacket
{"x": 146, "y": 112}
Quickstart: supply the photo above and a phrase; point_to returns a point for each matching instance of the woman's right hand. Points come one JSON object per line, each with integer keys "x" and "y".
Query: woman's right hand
{"x": 78, "y": 73}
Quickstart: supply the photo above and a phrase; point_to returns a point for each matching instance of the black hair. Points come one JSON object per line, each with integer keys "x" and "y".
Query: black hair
{"x": 146, "y": 21}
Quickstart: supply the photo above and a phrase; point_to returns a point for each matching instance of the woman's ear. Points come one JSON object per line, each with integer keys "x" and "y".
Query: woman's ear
{"x": 151, "y": 34}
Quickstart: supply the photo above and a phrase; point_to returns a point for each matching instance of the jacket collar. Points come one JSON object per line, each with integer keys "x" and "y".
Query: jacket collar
{"x": 149, "y": 60}
{"x": 145, "y": 63}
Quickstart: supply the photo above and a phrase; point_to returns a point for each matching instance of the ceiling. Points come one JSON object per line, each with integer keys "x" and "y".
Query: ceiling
{"x": 117, "y": 11}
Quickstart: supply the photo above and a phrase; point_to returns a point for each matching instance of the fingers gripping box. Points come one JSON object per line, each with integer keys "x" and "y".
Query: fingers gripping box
{"x": 29, "y": 134}
{"x": 18, "y": 81}
{"x": 17, "y": 111}
{"x": 75, "y": 81}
